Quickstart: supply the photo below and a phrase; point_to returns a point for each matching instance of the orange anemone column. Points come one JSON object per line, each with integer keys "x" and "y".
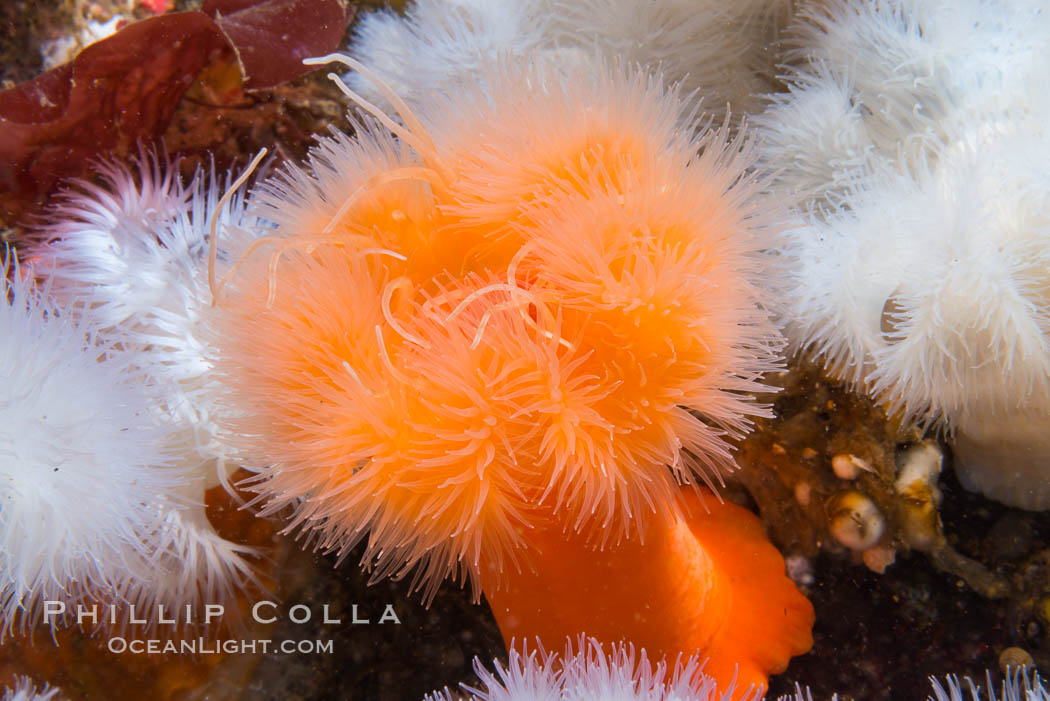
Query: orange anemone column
{"x": 710, "y": 583}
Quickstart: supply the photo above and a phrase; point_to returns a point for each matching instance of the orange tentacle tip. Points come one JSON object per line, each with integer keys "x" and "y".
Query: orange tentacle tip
{"x": 709, "y": 583}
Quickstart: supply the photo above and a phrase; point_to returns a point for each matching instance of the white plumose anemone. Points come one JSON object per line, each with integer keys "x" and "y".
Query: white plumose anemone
{"x": 715, "y": 47}
{"x": 914, "y": 152}
{"x": 586, "y": 671}
{"x": 133, "y": 254}
{"x": 887, "y": 82}
{"x": 82, "y": 458}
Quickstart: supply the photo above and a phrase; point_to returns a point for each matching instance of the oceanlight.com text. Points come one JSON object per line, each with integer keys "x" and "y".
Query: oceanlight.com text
{"x": 204, "y": 646}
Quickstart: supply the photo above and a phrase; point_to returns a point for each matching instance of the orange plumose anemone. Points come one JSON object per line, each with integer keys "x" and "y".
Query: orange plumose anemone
{"x": 534, "y": 308}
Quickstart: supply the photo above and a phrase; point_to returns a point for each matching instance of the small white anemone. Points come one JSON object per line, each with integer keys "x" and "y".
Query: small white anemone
{"x": 714, "y": 47}
{"x": 82, "y": 457}
{"x": 914, "y": 153}
{"x": 720, "y": 50}
{"x": 25, "y": 689}
{"x": 135, "y": 251}
{"x": 586, "y": 671}
{"x": 187, "y": 564}
{"x": 439, "y": 43}
{"x": 1018, "y": 685}
{"x": 132, "y": 254}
